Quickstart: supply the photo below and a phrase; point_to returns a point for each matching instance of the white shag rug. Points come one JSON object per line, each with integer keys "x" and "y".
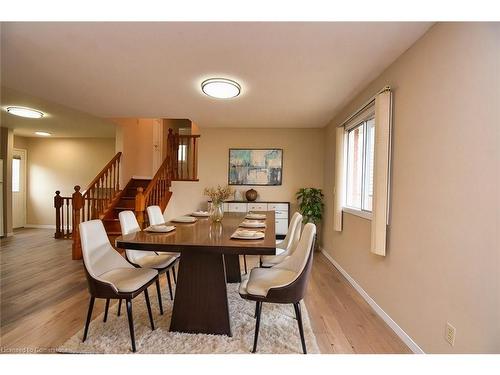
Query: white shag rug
{"x": 278, "y": 334}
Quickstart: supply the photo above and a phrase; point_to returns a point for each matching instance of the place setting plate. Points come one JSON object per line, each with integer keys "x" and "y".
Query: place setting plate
{"x": 160, "y": 228}
{"x": 184, "y": 219}
{"x": 244, "y": 234}
{"x": 254, "y": 216}
{"x": 252, "y": 224}
{"x": 200, "y": 214}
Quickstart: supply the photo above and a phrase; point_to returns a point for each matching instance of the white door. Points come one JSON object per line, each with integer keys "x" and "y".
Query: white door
{"x": 18, "y": 188}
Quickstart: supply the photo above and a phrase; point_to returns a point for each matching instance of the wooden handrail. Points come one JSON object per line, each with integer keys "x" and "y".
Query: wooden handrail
{"x": 116, "y": 158}
{"x": 157, "y": 192}
{"x": 87, "y": 205}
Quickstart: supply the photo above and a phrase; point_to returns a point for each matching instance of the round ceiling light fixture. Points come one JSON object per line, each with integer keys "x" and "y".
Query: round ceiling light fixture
{"x": 24, "y": 112}
{"x": 43, "y": 134}
{"x": 221, "y": 88}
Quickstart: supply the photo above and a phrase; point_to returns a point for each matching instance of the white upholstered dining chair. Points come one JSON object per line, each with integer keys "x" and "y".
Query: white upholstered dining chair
{"x": 162, "y": 262}
{"x": 286, "y": 247}
{"x": 110, "y": 276}
{"x": 155, "y": 217}
{"x": 284, "y": 283}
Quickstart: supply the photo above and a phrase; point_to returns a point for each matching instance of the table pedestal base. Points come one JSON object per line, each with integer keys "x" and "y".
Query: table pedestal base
{"x": 200, "y": 304}
{"x": 233, "y": 270}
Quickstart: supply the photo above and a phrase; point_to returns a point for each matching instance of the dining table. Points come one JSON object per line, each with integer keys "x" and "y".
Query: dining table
{"x": 209, "y": 259}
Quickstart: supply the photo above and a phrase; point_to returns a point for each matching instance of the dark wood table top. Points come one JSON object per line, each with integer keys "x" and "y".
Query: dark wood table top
{"x": 204, "y": 235}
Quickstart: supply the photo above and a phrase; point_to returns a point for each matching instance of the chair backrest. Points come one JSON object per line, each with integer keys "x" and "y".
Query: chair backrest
{"x": 129, "y": 224}
{"x": 293, "y": 235}
{"x": 297, "y": 261}
{"x": 98, "y": 254}
{"x": 155, "y": 215}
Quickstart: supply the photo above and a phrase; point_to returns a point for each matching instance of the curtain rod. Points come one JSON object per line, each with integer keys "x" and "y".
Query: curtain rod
{"x": 384, "y": 89}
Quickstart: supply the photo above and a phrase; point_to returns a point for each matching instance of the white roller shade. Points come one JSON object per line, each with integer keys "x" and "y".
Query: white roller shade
{"x": 381, "y": 179}
{"x": 339, "y": 179}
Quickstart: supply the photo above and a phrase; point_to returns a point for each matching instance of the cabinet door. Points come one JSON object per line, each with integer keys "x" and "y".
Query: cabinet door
{"x": 237, "y": 207}
{"x": 281, "y": 226}
{"x": 257, "y": 206}
{"x": 277, "y": 206}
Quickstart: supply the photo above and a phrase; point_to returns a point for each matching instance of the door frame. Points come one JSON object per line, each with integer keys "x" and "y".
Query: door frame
{"x": 24, "y": 164}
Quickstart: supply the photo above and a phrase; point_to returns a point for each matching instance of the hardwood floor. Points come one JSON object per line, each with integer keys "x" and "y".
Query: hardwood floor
{"x": 43, "y": 295}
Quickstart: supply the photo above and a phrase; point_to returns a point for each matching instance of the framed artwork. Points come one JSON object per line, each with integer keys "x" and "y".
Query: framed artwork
{"x": 255, "y": 166}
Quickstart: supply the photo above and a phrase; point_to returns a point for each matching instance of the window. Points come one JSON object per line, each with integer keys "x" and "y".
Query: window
{"x": 182, "y": 153}
{"x": 359, "y": 169}
{"x": 16, "y": 175}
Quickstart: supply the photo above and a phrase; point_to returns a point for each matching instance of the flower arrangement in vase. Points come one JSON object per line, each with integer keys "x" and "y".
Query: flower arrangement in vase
{"x": 218, "y": 195}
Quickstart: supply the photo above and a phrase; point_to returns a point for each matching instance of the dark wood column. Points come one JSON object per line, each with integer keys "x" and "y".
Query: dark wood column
{"x": 200, "y": 304}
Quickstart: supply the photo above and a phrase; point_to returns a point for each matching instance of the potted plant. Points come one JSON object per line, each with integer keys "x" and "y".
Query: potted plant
{"x": 311, "y": 206}
{"x": 218, "y": 195}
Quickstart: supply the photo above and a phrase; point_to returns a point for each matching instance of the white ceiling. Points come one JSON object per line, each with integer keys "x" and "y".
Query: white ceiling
{"x": 58, "y": 120}
{"x": 292, "y": 74}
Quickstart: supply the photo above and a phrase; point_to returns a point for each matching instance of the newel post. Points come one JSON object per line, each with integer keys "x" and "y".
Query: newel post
{"x": 77, "y": 203}
{"x": 58, "y": 202}
{"x": 140, "y": 206}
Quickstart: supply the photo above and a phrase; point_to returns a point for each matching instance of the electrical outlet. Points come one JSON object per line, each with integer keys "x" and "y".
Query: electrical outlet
{"x": 450, "y": 333}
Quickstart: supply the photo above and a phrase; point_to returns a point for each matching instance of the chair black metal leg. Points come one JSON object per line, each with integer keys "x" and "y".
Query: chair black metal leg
{"x": 245, "y": 263}
{"x": 119, "y": 307}
{"x": 106, "y": 310}
{"x": 298, "y": 314}
{"x": 256, "y": 310}
{"x": 257, "y": 325}
{"x": 175, "y": 276}
{"x": 158, "y": 292}
{"x": 148, "y": 305}
{"x": 89, "y": 316}
{"x": 131, "y": 323}
{"x": 169, "y": 285}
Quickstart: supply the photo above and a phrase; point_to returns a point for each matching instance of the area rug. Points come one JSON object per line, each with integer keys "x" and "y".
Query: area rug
{"x": 278, "y": 333}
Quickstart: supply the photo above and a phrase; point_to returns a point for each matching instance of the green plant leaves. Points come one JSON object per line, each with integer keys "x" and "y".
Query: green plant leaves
{"x": 311, "y": 204}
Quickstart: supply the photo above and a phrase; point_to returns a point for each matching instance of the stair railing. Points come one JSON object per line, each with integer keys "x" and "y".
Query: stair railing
{"x": 183, "y": 153}
{"x": 157, "y": 193}
{"x": 87, "y": 205}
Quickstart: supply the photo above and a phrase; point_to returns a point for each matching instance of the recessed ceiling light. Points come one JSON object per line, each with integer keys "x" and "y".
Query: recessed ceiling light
{"x": 25, "y": 112}
{"x": 43, "y": 134}
{"x": 221, "y": 88}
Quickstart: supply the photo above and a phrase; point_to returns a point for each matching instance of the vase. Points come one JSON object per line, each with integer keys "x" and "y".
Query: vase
{"x": 251, "y": 195}
{"x": 217, "y": 212}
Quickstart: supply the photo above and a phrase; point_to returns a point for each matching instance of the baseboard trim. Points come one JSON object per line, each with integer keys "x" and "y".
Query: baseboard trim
{"x": 380, "y": 312}
{"x": 40, "y": 226}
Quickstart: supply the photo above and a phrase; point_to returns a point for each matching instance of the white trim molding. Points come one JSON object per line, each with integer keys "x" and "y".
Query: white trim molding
{"x": 380, "y": 312}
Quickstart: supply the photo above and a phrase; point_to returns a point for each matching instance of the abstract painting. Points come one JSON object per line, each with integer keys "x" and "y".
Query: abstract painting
{"x": 255, "y": 166}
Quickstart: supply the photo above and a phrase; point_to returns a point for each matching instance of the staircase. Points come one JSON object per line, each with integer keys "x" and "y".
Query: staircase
{"x": 125, "y": 201}
{"x": 103, "y": 199}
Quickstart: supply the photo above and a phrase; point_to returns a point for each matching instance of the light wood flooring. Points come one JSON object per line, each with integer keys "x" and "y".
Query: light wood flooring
{"x": 43, "y": 296}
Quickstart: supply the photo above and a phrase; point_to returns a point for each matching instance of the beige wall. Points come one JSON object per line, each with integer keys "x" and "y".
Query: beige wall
{"x": 443, "y": 261}
{"x": 135, "y": 138}
{"x": 302, "y": 164}
{"x": 59, "y": 164}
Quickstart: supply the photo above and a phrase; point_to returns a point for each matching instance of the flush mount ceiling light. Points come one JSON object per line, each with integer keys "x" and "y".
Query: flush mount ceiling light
{"x": 43, "y": 134}
{"x": 221, "y": 88}
{"x": 24, "y": 112}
